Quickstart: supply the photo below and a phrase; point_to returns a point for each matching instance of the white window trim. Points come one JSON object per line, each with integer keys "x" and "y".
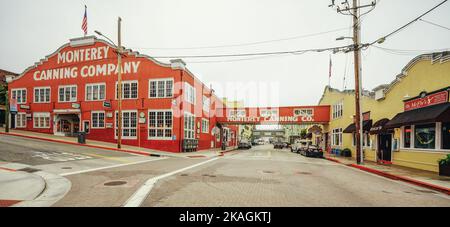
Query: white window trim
{"x": 164, "y": 128}
{"x": 91, "y": 124}
{"x": 207, "y": 129}
{"x": 21, "y": 126}
{"x": 49, "y": 94}
{"x": 184, "y": 129}
{"x": 21, "y": 89}
{"x": 66, "y": 86}
{"x": 86, "y": 93}
{"x": 41, "y": 114}
{"x": 187, "y": 88}
{"x": 126, "y": 82}
{"x": 436, "y": 147}
{"x": 303, "y": 115}
{"x": 165, "y": 88}
{"x": 203, "y": 103}
{"x": 115, "y": 126}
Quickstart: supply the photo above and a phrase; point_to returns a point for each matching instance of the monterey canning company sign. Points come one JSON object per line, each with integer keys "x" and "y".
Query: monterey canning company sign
{"x": 68, "y": 65}
{"x": 427, "y": 100}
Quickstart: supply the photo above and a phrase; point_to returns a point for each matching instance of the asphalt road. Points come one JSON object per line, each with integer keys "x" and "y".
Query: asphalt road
{"x": 261, "y": 176}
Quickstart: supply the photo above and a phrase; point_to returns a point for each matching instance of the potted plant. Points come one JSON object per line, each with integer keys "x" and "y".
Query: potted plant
{"x": 444, "y": 166}
{"x": 346, "y": 152}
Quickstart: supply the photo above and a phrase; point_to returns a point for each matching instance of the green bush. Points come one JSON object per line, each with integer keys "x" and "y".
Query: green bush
{"x": 445, "y": 161}
{"x": 347, "y": 152}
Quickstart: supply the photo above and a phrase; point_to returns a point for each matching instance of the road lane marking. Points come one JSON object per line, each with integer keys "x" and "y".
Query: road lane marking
{"x": 141, "y": 194}
{"x": 106, "y": 157}
{"x": 109, "y": 167}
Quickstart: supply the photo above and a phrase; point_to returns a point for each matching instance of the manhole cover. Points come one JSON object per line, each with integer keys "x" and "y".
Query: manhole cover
{"x": 267, "y": 171}
{"x": 66, "y": 167}
{"x": 29, "y": 170}
{"x": 304, "y": 173}
{"x": 115, "y": 183}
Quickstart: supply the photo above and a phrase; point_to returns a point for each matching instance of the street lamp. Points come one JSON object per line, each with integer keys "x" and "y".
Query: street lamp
{"x": 119, "y": 81}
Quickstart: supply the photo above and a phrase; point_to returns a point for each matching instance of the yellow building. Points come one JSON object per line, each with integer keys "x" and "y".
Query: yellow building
{"x": 407, "y": 122}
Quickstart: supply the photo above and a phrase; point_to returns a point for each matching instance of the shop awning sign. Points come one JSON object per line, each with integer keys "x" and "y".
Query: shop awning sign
{"x": 427, "y": 100}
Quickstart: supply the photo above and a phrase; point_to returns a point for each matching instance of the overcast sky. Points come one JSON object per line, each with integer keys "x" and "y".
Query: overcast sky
{"x": 32, "y": 29}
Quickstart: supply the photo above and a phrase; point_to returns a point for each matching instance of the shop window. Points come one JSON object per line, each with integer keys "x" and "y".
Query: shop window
{"x": 337, "y": 137}
{"x": 41, "y": 120}
{"x": 21, "y": 120}
{"x": 205, "y": 125}
{"x": 425, "y": 136}
{"x": 42, "y": 95}
{"x": 98, "y": 119}
{"x": 189, "y": 126}
{"x": 129, "y": 124}
{"x": 95, "y": 92}
{"x": 190, "y": 93}
{"x": 162, "y": 88}
{"x": 445, "y": 135}
{"x": 407, "y": 137}
{"x": 160, "y": 124}
{"x": 20, "y": 95}
{"x": 68, "y": 93}
{"x": 129, "y": 90}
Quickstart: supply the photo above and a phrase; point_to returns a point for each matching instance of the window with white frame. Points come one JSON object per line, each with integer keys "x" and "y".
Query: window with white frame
{"x": 336, "y": 139}
{"x": 129, "y": 124}
{"x": 190, "y": 92}
{"x": 189, "y": 126}
{"x": 161, "y": 88}
{"x": 237, "y": 113}
{"x": 338, "y": 109}
{"x": 20, "y": 95}
{"x": 206, "y": 103}
{"x": 42, "y": 95}
{"x": 67, "y": 93}
{"x": 304, "y": 112}
{"x": 268, "y": 113}
{"x": 41, "y": 120}
{"x": 367, "y": 142}
{"x": 129, "y": 90}
{"x": 205, "y": 125}
{"x": 95, "y": 92}
{"x": 21, "y": 120}
{"x": 98, "y": 119}
{"x": 160, "y": 123}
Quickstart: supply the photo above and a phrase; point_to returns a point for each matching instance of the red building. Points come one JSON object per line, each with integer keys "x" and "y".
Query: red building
{"x": 75, "y": 89}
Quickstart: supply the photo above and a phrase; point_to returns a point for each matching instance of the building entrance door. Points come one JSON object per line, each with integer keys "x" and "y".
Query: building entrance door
{"x": 385, "y": 148}
{"x": 67, "y": 124}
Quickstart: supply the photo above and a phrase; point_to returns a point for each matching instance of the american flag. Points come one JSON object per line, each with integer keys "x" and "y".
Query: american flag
{"x": 84, "y": 24}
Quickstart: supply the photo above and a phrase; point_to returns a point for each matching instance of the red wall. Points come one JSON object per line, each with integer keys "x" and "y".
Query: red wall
{"x": 148, "y": 69}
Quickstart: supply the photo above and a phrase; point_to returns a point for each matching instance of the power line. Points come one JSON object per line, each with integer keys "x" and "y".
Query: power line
{"x": 409, "y": 52}
{"x": 429, "y": 22}
{"x": 406, "y": 25}
{"x": 245, "y": 44}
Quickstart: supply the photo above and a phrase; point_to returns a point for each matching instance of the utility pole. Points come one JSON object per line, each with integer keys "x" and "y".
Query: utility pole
{"x": 119, "y": 84}
{"x": 354, "y": 12}
{"x": 7, "y": 110}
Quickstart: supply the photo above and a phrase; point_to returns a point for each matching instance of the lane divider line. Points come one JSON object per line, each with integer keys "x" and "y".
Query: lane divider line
{"x": 112, "y": 166}
{"x": 141, "y": 194}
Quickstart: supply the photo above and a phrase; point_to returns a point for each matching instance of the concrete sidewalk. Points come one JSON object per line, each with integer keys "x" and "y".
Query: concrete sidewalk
{"x": 418, "y": 177}
{"x": 113, "y": 146}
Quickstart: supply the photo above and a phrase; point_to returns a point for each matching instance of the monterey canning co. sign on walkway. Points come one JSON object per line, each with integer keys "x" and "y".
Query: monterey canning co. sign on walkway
{"x": 274, "y": 115}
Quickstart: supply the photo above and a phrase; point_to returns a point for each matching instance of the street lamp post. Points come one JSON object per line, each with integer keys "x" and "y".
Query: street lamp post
{"x": 119, "y": 81}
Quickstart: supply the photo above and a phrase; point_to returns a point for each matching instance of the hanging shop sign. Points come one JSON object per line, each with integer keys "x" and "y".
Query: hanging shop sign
{"x": 24, "y": 107}
{"x": 427, "y": 100}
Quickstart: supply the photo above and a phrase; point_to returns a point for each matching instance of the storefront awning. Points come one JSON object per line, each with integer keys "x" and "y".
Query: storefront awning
{"x": 434, "y": 113}
{"x": 352, "y": 128}
{"x": 379, "y": 126}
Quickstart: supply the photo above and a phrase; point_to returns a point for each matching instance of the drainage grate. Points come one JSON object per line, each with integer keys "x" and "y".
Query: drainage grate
{"x": 184, "y": 175}
{"x": 426, "y": 191}
{"x": 66, "y": 167}
{"x": 268, "y": 171}
{"x": 29, "y": 170}
{"x": 115, "y": 183}
{"x": 207, "y": 175}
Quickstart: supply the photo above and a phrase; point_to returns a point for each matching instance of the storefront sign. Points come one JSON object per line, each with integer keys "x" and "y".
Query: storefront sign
{"x": 76, "y": 105}
{"x": 429, "y": 100}
{"x": 106, "y": 104}
{"x": 24, "y": 107}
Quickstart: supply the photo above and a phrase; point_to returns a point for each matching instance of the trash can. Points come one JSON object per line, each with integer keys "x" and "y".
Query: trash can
{"x": 82, "y": 137}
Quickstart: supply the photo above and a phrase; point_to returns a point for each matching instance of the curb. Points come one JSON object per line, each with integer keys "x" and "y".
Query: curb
{"x": 85, "y": 145}
{"x": 395, "y": 177}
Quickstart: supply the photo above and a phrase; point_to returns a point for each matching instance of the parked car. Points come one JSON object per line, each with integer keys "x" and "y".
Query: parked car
{"x": 313, "y": 151}
{"x": 244, "y": 144}
{"x": 298, "y": 146}
{"x": 261, "y": 142}
{"x": 279, "y": 145}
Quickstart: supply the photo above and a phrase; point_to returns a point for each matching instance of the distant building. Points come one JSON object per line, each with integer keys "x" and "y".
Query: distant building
{"x": 3, "y": 74}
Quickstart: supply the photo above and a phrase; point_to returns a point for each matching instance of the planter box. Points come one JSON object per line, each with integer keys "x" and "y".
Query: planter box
{"x": 444, "y": 170}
